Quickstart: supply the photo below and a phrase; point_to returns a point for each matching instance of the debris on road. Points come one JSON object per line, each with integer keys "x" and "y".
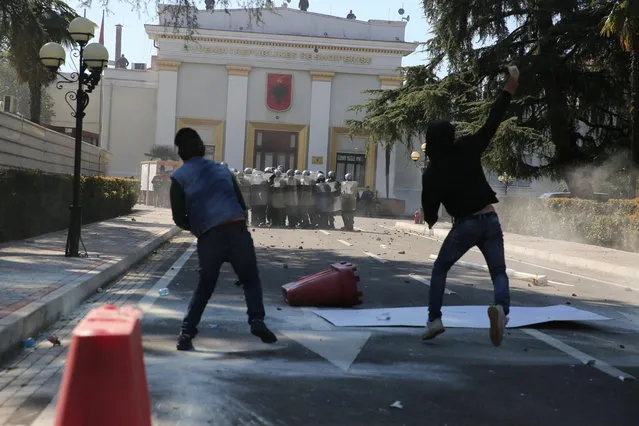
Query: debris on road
{"x": 397, "y": 404}
{"x": 54, "y": 341}
{"x": 29, "y": 343}
{"x": 384, "y": 317}
{"x": 401, "y": 252}
{"x": 163, "y": 292}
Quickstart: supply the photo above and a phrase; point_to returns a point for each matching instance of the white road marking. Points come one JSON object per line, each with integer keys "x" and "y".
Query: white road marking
{"x": 510, "y": 257}
{"x": 324, "y": 232}
{"x": 624, "y": 286}
{"x": 537, "y": 279}
{"x": 47, "y": 416}
{"x": 577, "y": 354}
{"x": 340, "y": 348}
{"x": 561, "y": 284}
{"x": 426, "y": 281}
{"x": 376, "y": 257}
{"x": 146, "y": 303}
{"x": 346, "y": 243}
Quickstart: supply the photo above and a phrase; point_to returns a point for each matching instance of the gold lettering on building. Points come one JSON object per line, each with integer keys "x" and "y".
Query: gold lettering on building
{"x": 282, "y": 55}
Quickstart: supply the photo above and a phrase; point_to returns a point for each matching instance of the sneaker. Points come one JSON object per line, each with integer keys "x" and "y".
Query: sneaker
{"x": 433, "y": 329}
{"x": 185, "y": 342}
{"x": 259, "y": 329}
{"x": 498, "y": 321}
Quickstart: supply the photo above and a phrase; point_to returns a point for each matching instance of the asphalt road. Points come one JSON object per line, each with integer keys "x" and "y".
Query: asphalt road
{"x": 318, "y": 374}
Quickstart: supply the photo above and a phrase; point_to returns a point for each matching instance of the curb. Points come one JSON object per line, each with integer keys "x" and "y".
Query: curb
{"x": 35, "y": 317}
{"x": 562, "y": 259}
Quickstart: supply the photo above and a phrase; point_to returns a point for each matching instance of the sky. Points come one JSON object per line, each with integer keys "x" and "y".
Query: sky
{"x": 137, "y": 47}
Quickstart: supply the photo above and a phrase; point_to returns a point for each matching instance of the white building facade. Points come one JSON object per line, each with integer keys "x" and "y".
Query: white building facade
{"x": 263, "y": 94}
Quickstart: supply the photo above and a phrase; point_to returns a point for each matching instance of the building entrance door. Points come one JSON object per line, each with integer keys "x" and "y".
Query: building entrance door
{"x": 275, "y": 148}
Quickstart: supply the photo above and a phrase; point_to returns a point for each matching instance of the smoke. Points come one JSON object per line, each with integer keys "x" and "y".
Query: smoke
{"x": 589, "y": 222}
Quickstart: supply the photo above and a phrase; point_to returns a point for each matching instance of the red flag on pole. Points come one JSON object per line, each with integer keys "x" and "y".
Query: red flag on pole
{"x": 101, "y": 41}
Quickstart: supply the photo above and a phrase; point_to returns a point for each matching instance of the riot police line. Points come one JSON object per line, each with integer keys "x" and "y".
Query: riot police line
{"x": 297, "y": 199}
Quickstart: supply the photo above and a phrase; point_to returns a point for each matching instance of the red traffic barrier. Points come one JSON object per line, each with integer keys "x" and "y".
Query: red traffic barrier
{"x": 333, "y": 287}
{"x": 104, "y": 381}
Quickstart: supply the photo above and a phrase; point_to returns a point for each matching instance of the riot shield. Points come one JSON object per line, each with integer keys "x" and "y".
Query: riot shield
{"x": 349, "y": 196}
{"x": 259, "y": 189}
{"x": 323, "y": 198}
{"x": 337, "y": 201}
{"x": 245, "y": 188}
{"x": 306, "y": 191}
{"x": 292, "y": 191}
{"x": 278, "y": 193}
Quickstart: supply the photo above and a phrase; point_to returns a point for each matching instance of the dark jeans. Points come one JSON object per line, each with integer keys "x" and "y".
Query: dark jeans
{"x": 484, "y": 231}
{"x": 232, "y": 243}
{"x": 349, "y": 220}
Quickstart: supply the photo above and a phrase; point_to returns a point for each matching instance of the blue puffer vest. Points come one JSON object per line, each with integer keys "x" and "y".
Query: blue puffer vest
{"x": 210, "y": 195}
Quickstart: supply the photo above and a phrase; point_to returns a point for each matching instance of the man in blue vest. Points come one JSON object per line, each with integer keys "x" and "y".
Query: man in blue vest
{"x": 206, "y": 200}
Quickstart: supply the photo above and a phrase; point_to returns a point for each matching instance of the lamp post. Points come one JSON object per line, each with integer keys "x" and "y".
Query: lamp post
{"x": 507, "y": 180}
{"x": 93, "y": 58}
{"x": 415, "y": 156}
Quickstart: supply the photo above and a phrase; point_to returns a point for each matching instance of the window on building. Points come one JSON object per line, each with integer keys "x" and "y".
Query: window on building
{"x": 209, "y": 152}
{"x": 352, "y": 163}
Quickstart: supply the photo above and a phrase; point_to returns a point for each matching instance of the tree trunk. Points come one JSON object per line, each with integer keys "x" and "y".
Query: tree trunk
{"x": 387, "y": 153}
{"x": 634, "y": 101}
{"x": 35, "y": 105}
{"x": 562, "y": 129}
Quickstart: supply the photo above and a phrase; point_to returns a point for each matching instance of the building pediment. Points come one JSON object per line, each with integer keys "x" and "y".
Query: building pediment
{"x": 290, "y": 22}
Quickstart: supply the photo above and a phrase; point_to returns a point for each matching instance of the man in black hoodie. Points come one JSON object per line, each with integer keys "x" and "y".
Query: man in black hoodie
{"x": 455, "y": 178}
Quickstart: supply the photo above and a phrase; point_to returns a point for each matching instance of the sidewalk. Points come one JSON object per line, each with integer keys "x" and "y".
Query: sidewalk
{"x": 38, "y": 284}
{"x": 592, "y": 258}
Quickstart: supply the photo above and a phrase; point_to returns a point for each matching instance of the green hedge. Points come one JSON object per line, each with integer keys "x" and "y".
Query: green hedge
{"x": 613, "y": 224}
{"x": 34, "y": 203}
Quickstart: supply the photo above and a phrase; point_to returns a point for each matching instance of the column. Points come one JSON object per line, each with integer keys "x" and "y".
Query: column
{"x": 237, "y": 100}
{"x": 320, "y": 119}
{"x": 167, "y": 102}
{"x": 387, "y": 82}
{"x": 106, "y": 100}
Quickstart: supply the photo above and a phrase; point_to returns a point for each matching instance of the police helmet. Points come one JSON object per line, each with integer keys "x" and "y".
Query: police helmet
{"x": 298, "y": 172}
{"x": 248, "y": 171}
{"x": 321, "y": 178}
{"x": 331, "y": 175}
{"x": 290, "y": 172}
{"x": 306, "y": 173}
{"x": 278, "y": 172}
{"x": 348, "y": 177}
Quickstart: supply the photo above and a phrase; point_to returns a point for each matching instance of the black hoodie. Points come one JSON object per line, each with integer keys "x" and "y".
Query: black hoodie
{"x": 455, "y": 177}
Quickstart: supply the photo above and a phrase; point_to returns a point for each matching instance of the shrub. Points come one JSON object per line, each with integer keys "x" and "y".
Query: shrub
{"x": 35, "y": 203}
{"x": 612, "y": 224}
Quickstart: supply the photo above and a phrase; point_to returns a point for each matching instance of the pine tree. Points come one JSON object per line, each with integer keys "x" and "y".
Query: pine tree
{"x": 569, "y": 108}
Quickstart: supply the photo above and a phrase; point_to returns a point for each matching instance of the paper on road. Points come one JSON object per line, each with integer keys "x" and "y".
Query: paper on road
{"x": 453, "y": 316}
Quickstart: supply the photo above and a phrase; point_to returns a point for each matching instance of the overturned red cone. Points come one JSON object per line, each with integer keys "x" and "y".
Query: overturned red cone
{"x": 333, "y": 287}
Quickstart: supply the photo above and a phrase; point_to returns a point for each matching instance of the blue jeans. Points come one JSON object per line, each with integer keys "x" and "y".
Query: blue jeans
{"x": 481, "y": 230}
{"x": 232, "y": 243}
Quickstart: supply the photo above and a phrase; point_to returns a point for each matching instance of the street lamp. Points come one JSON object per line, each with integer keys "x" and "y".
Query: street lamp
{"x": 93, "y": 58}
{"x": 507, "y": 180}
{"x": 415, "y": 156}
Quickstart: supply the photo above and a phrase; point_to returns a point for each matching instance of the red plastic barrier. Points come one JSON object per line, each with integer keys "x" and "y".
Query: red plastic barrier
{"x": 104, "y": 381}
{"x": 333, "y": 287}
